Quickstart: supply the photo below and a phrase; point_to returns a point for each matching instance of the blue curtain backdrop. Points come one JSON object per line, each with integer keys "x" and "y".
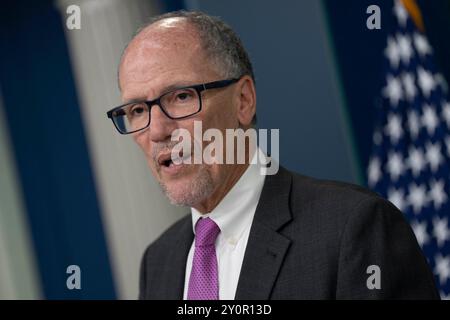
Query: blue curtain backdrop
{"x": 50, "y": 150}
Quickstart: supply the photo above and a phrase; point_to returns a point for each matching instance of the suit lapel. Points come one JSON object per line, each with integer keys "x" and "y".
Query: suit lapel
{"x": 266, "y": 248}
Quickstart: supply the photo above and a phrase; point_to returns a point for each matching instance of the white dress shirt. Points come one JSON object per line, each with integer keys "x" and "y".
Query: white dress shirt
{"x": 234, "y": 216}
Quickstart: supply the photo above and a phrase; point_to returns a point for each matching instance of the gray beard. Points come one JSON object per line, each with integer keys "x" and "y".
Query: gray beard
{"x": 191, "y": 194}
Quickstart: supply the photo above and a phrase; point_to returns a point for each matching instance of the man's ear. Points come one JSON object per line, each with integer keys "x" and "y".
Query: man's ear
{"x": 246, "y": 100}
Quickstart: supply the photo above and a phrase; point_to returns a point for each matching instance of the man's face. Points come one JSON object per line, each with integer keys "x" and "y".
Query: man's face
{"x": 164, "y": 55}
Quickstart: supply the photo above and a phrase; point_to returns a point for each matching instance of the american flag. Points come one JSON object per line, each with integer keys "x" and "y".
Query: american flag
{"x": 410, "y": 162}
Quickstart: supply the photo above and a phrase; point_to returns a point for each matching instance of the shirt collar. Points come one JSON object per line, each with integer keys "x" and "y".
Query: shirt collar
{"x": 236, "y": 210}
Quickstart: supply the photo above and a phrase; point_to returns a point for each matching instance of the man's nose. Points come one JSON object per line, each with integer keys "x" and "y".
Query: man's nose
{"x": 161, "y": 126}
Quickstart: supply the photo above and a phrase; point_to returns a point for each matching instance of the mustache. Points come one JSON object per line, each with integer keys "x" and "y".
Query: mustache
{"x": 160, "y": 147}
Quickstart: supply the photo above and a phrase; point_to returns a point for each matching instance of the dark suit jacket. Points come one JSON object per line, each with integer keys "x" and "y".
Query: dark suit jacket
{"x": 310, "y": 239}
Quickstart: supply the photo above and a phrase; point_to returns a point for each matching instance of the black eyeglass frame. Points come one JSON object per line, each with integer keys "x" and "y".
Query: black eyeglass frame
{"x": 150, "y": 103}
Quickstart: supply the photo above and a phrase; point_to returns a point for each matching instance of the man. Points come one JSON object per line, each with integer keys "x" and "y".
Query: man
{"x": 249, "y": 236}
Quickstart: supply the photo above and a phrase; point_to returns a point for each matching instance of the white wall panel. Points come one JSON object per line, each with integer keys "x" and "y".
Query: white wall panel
{"x": 134, "y": 209}
{"x": 18, "y": 273}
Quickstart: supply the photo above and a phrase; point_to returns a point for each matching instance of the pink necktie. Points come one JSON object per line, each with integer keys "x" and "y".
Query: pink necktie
{"x": 203, "y": 282}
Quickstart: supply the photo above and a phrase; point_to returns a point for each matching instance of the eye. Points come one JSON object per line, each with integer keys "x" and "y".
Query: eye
{"x": 184, "y": 95}
{"x": 137, "y": 109}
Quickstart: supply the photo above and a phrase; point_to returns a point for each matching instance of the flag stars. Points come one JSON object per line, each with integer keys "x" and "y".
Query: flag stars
{"x": 430, "y": 119}
{"x": 409, "y": 86}
{"x": 446, "y": 113}
{"x": 437, "y": 193}
{"x": 397, "y": 197}
{"x": 416, "y": 161}
{"x": 442, "y": 268}
{"x": 426, "y": 81}
{"x": 410, "y": 164}
{"x": 420, "y": 231}
{"x": 394, "y": 127}
{"x": 413, "y": 123}
{"x": 433, "y": 155}
{"x": 417, "y": 197}
{"x": 395, "y": 165}
{"x": 392, "y": 52}
{"x": 401, "y": 13}
{"x": 393, "y": 90}
{"x": 422, "y": 45}
{"x": 441, "y": 231}
{"x": 405, "y": 48}
{"x": 374, "y": 171}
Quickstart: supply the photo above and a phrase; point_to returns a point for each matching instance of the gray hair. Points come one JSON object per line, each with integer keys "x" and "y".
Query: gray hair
{"x": 220, "y": 43}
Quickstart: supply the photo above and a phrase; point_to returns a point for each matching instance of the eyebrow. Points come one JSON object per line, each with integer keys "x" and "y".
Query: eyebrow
{"x": 165, "y": 90}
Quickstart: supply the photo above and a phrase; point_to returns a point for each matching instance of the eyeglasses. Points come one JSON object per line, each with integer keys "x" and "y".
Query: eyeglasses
{"x": 175, "y": 104}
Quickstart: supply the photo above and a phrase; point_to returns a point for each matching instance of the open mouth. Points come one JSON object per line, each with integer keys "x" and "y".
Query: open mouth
{"x": 165, "y": 160}
{"x": 167, "y": 163}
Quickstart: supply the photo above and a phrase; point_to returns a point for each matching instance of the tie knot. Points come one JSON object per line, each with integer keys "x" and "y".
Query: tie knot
{"x": 206, "y": 232}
